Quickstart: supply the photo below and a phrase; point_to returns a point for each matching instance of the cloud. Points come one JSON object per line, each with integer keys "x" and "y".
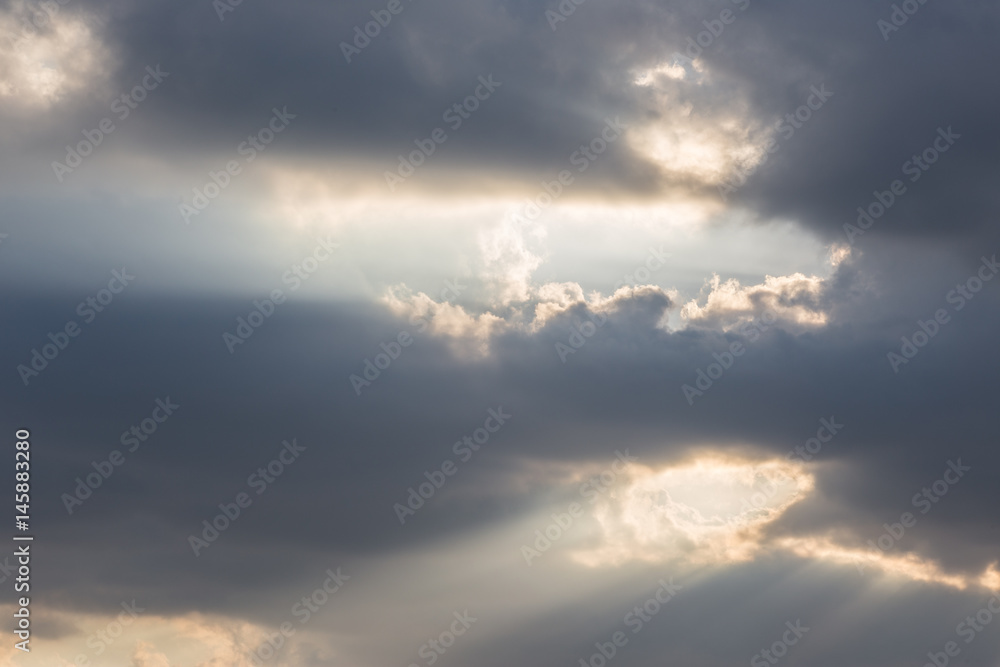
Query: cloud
{"x": 530, "y": 284}
{"x": 146, "y": 655}
{"x": 467, "y": 331}
{"x": 796, "y": 299}
{"x": 709, "y": 511}
{"x": 714, "y": 510}
{"x": 510, "y": 258}
{"x": 698, "y": 128}
{"x": 49, "y": 55}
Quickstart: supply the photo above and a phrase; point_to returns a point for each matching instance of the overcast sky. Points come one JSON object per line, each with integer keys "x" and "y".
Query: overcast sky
{"x": 492, "y": 332}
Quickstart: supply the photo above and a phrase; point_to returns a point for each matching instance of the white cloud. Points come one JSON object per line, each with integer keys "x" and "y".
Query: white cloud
{"x": 511, "y": 254}
{"x": 469, "y": 333}
{"x": 146, "y": 655}
{"x": 690, "y": 134}
{"x": 795, "y": 299}
{"x": 48, "y": 55}
{"x": 708, "y": 511}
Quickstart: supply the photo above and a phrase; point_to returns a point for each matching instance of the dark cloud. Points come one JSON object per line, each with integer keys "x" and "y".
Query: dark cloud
{"x": 557, "y": 86}
{"x": 620, "y": 389}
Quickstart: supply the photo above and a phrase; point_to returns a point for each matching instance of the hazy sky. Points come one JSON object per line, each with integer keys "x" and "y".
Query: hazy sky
{"x": 492, "y": 332}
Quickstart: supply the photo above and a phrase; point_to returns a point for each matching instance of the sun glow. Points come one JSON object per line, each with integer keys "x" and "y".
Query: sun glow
{"x": 710, "y": 510}
{"x": 715, "y": 510}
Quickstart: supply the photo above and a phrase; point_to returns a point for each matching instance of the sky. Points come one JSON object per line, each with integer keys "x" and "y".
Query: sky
{"x": 491, "y": 332}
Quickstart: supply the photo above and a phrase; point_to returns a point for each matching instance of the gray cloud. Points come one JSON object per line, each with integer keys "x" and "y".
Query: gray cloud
{"x": 622, "y": 388}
